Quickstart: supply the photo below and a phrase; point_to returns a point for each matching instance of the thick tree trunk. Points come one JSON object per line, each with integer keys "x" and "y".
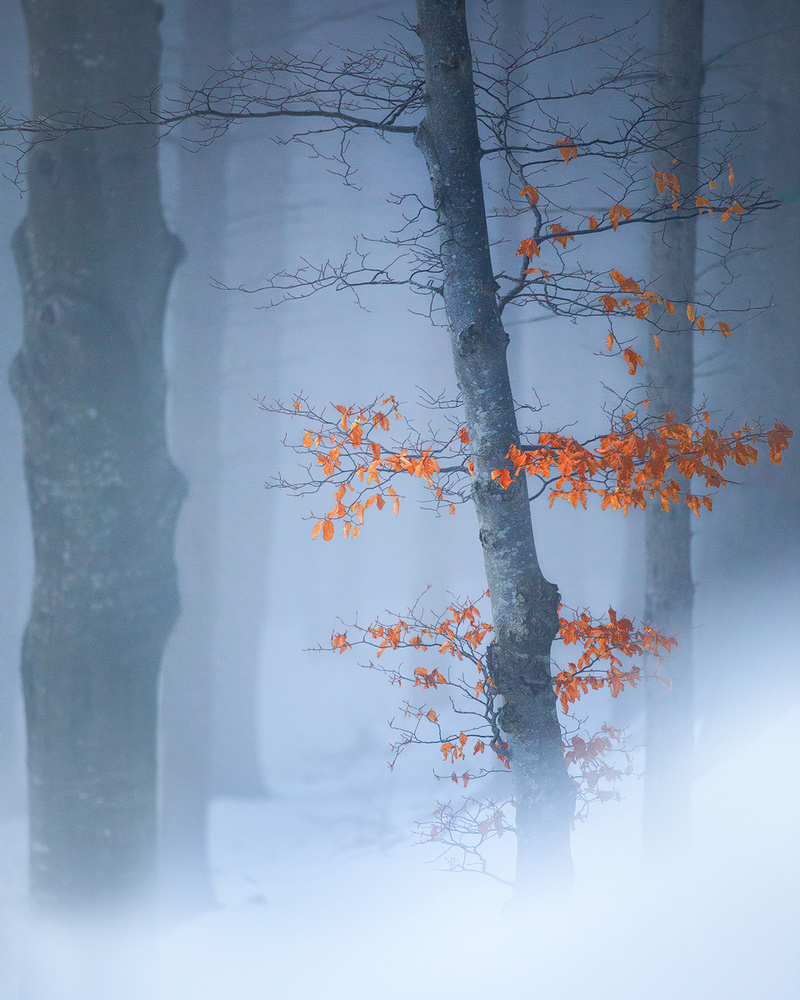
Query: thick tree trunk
{"x": 95, "y": 261}
{"x": 524, "y": 604}
{"x": 669, "y": 591}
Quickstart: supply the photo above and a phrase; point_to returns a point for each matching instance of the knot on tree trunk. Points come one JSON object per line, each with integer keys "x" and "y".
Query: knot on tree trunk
{"x": 468, "y": 339}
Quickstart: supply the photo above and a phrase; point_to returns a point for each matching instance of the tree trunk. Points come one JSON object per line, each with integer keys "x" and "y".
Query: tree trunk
{"x": 95, "y": 260}
{"x": 197, "y": 335}
{"x": 524, "y": 604}
{"x": 669, "y": 591}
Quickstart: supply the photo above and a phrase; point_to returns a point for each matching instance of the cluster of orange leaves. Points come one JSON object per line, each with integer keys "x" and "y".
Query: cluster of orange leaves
{"x": 665, "y": 181}
{"x": 464, "y": 627}
{"x": 637, "y": 463}
{"x": 604, "y": 641}
{"x": 641, "y": 310}
{"x": 462, "y": 630}
{"x": 422, "y": 466}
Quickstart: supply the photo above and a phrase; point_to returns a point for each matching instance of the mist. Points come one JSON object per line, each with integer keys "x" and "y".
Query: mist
{"x": 291, "y": 859}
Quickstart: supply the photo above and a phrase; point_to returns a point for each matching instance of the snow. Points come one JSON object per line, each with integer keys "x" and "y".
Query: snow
{"x": 323, "y": 896}
{"x": 317, "y": 908}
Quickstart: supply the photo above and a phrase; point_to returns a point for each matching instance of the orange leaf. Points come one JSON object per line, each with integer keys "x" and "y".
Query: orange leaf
{"x": 567, "y": 148}
{"x": 340, "y": 642}
{"x": 298, "y": 405}
{"x": 593, "y": 223}
{"x": 356, "y": 434}
{"x": 345, "y": 412}
{"x": 669, "y": 307}
{"x": 656, "y": 343}
{"x": 471, "y": 467}
{"x": 610, "y": 341}
{"x": 690, "y": 312}
{"x": 316, "y": 529}
{"x": 724, "y": 329}
{"x": 463, "y": 436}
{"x": 616, "y": 214}
{"x": 432, "y": 715}
{"x": 528, "y": 248}
{"x": 701, "y": 203}
{"x": 503, "y": 476}
{"x": 730, "y": 176}
{"x": 531, "y": 193}
{"x": 327, "y": 529}
{"x": 634, "y": 360}
{"x": 609, "y": 303}
{"x": 556, "y": 227}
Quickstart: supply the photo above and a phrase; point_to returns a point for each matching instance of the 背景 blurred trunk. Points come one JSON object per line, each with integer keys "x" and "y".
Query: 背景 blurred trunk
{"x": 196, "y": 336}
{"x": 669, "y": 590}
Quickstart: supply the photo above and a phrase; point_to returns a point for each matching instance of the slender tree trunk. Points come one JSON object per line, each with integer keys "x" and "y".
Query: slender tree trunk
{"x": 16, "y": 566}
{"x": 524, "y": 604}
{"x": 669, "y": 591}
{"x": 95, "y": 260}
{"x": 198, "y": 330}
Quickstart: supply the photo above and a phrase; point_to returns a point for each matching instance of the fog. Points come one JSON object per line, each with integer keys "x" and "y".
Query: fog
{"x": 292, "y": 859}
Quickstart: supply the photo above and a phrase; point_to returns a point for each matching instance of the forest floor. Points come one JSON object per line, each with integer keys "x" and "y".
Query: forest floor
{"x": 323, "y": 896}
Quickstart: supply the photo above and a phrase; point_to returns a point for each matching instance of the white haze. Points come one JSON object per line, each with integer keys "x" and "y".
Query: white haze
{"x": 323, "y": 897}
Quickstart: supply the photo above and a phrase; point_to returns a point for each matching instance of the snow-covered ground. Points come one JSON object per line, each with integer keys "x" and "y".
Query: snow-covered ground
{"x": 323, "y": 896}
{"x": 320, "y": 908}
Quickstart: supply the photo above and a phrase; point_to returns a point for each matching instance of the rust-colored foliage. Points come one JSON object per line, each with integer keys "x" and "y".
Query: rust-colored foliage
{"x": 567, "y": 148}
{"x": 617, "y": 214}
{"x": 604, "y": 641}
{"x": 463, "y": 636}
{"x": 632, "y": 462}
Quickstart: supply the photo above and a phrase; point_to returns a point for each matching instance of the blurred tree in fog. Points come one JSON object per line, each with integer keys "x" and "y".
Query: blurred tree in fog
{"x": 95, "y": 261}
{"x": 669, "y": 591}
{"x": 195, "y": 377}
{"x": 741, "y": 560}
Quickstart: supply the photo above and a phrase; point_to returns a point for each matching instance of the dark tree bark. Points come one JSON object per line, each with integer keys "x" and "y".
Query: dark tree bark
{"x": 524, "y": 604}
{"x": 95, "y": 260}
{"x": 669, "y": 590}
